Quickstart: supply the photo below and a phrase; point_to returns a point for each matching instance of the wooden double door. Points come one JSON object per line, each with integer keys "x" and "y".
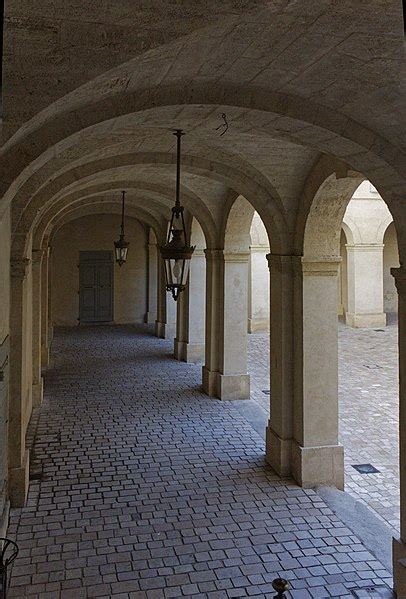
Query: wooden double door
{"x": 96, "y": 286}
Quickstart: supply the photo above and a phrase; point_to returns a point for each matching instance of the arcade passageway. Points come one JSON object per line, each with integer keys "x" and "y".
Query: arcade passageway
{"x": 143, "y": 486}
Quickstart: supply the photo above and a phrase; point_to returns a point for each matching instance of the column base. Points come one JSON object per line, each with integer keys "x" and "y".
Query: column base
{"x": 278, "y": 453}
{"x": 258, "y": 325}
{"x": 163, "y": 330}
{"x": 226, "y": 386}
{"x": 160, "y": 328}
{"x": 233, "y": 386}
{"x": 209, "y": 381}
{"x": 38, "y": 393}
{"x": 19, "y": 480}
{"x": 359, "y": 321}
{"x": 314, "y": 466}
{"x": 150, "y": 318}
{"x": 399, "y": 567}
{"x": 189, "y": 352}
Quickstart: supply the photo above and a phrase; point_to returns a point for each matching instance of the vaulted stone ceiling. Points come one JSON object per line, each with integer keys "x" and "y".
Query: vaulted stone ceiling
{"x": 296, "y": 78}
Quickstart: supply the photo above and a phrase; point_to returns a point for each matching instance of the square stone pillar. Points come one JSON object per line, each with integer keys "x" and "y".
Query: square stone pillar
{"x": 279, "y": 430}
{"x": 258, "y": 301}
{"x": 20, "y": 385}
{"x": 189, "y": 342}
{"x": 46, "y": 322}
{"x": 317, "y": 456}
{"x": 365, "y": 285}
{"x": 165, "y": 325}
{"x": 228, "y": 378}
{"x": 399, "y": 545}
{"x": 152, "y": 313}
{"x": 214, "y": 299}
{"x": 37, "y": 380}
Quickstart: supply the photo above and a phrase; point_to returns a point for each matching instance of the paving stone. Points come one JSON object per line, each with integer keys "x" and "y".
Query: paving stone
{"x": 156, "y": 490}
{"x": 368, "y": 396}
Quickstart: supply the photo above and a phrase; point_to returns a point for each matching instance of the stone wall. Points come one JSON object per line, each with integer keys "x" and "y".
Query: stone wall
{"x": 98, "y": 232}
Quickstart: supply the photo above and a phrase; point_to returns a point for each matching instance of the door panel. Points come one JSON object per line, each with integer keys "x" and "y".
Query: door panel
{"x": 96, "y": 287}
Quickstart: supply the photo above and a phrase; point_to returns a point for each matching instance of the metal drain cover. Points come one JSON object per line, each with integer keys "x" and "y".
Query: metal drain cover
{"x": 379, "y": 592}
{"x": 365, "y": 468}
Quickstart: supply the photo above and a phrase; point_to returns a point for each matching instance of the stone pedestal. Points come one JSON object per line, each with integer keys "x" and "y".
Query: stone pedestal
{"x": 365, "y": 285}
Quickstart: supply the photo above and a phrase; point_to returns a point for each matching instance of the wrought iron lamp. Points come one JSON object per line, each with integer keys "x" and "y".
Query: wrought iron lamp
{"x": 177, "y": 253}
{"x": 8, "y": 553}
{"x": 121, "y": 246}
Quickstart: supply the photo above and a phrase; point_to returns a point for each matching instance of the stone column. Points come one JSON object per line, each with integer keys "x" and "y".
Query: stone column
{"x": 152, "y": 282}
{"x": 18, "y": 455}
{"x": 317, "y": 457}
{"x": 165, "y": 325}
{"x": 399, "y": 545}
{"x": 279, "y": 431}
{"x": 227, "y": 292}
{"x": 46, "y": 324}
{"x": 365, "y": 285}
{"x": 214, "y": 298}
{"x": 37, "y": 380}
{"x": 189, "y": 342}
{"x": 258, "y": 316}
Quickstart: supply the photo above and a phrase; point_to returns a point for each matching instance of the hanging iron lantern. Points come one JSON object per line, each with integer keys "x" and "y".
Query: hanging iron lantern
{"x": 121, "y": 246}
{"x": 177, "y": 253}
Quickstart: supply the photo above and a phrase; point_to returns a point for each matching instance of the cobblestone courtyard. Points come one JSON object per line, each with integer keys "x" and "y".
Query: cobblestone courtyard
{"x": 369, "y": 419}
{"x": 145, "y": 487}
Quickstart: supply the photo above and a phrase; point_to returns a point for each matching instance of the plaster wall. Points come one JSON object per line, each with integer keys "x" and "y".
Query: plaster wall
{"x": 98, "y": 232}
{"x": 390, "y": 260}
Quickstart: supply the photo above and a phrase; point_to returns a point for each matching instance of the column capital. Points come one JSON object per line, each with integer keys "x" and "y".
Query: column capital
{"x": 213, "y": 255}
{"x": 282, "y": 262}
{"x": 365, "y": 247}
{"x": 236, "y": 256}
{"x": 399, "y": 274}
{"x": 324, "y": 266}
{"x": 19, "y": 268}
{"x": 198, "y": 253}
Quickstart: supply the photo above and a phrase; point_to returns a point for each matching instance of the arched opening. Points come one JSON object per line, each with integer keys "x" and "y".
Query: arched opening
{"x": 364, "y": 394}
{"x": 368, "y": 355}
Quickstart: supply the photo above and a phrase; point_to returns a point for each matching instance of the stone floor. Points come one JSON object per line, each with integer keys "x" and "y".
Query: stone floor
{"x": 369, "y": 418}
{"x": 145, "y": 487}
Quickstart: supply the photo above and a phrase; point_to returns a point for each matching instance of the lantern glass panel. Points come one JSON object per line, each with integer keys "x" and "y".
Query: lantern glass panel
{"x": 121, "y": 254}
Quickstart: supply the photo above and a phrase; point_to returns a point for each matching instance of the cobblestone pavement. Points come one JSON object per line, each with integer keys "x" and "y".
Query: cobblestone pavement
{"x": 369, "y": 419}
{"x": 145, "y": 487}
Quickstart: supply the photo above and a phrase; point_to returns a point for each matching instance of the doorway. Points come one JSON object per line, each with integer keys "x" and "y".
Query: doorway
{"x": 96, "y": 272}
